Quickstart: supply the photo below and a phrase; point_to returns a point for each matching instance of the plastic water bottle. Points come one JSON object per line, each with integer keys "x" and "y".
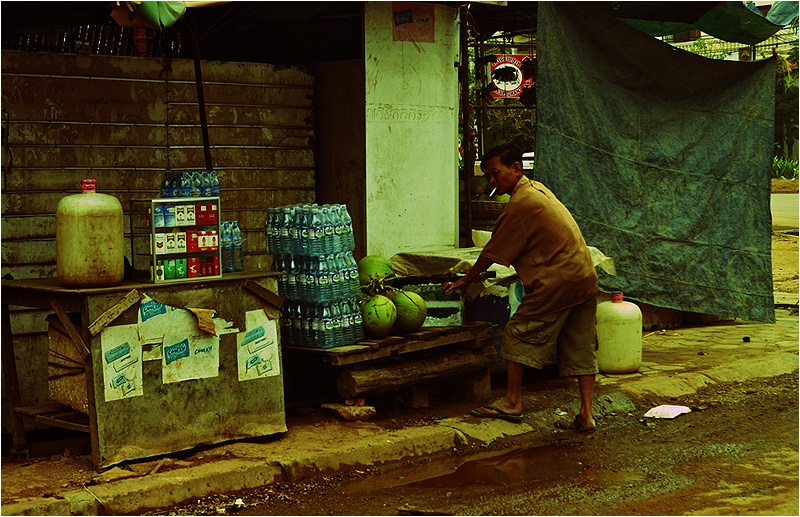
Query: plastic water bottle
{"x": 237, "y": 248}
{"x": 186, "y": 185}
{"x": 300, "y": 238}
{"x": 315, "y": 233}
{"x": 312, "y": 284}
{"x": 269, "y": 221}
{"x": 214, "y": 180}
{"x": 175, "y": 184}
{"x": 316, "y": 326}
{"x": 305, "y": 325}
{"x": 327, "y": 230}
{"x": 227, "y": 248}
{"x": 166, "y": 185}
{"x": 323, "y": 280}
{"x": 352, "y": 271}
{"x": 297, "y": 324}
{"x": 336, "y": 278}
{"x": 205, "y": 184}
{"x": 358, "y": 320}
{"x": 291, "y": 278}
{"x": 195, "y": 184}
{"x": 338, "y": 338}
{"x": 287, "y": 327}
{"x": 348, "y": 238}
{"x": 348, "y": 332}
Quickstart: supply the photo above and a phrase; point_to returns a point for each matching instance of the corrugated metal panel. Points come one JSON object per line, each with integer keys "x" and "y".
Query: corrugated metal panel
{"x": 124, "y": 121}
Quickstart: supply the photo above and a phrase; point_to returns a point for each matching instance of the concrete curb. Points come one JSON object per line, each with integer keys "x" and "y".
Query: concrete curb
{"x": 136, "y": 494}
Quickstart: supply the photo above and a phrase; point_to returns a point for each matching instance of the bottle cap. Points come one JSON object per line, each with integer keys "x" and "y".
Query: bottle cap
{"x": 616, "y": 296}
{"x": 89, "y": 185}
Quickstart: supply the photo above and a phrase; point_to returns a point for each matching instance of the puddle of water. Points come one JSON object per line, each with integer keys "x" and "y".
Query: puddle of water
{"x": 549, "y": 463}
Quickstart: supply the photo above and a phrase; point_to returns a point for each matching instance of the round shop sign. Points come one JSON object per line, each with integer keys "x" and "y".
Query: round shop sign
{"x": 507, "y": 76}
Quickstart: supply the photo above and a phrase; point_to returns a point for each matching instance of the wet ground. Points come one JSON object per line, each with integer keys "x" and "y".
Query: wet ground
{"x": 736, "y": 452}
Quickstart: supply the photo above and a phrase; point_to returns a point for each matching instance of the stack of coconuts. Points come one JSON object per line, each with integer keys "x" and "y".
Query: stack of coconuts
{"x": 481, "y": 190}
{"x": 385, "y": 309}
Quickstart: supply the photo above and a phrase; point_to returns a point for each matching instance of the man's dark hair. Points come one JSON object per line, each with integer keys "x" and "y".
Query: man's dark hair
{"x": 508, "y": 154}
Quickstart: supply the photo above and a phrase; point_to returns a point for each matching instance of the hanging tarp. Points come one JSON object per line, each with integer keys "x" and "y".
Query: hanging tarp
{"x": 663, "y": 157}
{"x": 728, "y": 21}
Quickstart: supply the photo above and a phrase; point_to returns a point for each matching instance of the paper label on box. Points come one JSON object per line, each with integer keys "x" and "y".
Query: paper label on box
{"x": 169, "y": 215}
{"x": 180, "y": 242}
{"x": 190, "y": 215}
{"x": 170, "y": 243}
{"x": 180, "y": 215}
{"x": 160, "y": 245}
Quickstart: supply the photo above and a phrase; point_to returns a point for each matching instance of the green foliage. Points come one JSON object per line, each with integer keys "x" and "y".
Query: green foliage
{"x": 783, "y": 168}
{"x": 786, "y": 102}
{"x": 513, "y": 125}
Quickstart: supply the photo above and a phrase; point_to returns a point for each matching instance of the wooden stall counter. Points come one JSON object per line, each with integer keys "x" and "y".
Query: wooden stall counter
{"x": 208, "y": 369}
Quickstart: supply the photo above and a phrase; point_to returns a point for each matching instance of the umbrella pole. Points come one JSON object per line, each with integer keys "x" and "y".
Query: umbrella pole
{"x": 198, "y": 78}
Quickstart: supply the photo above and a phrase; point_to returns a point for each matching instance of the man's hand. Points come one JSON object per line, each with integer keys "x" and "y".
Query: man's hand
{"x": 448, "y": 287}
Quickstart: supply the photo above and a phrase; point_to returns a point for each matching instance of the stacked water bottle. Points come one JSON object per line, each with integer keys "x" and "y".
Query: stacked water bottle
{"x": 232, "y": 255}
{"x": 313, "y": 245}
{"x": 190, "y": 184}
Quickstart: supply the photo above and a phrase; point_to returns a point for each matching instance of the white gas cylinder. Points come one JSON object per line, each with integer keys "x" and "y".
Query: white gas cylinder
{"x": 619, "y": 336}
{"x": 90, "y": 249}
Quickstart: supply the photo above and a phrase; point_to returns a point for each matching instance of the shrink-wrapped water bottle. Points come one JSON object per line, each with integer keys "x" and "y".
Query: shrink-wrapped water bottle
{"x": 269, "y": 223}
{"x": 317, "y": 247}
{"x": 352, "y": 271}
{"x": 196, "y": 185}
{"x": 336, "y": 277}
{"x": 291, "y": 278}
{"x": 285, "y": 229}
{"x": 358, "y": 319}
{"x": 205, "y": 184}
{"x": 237, "y": 246}
{"x": 302, "y": 230}
{"x": 328, "y": 225}
{"x": 294, "y": 231}
{"x": 166, "y": 185}
{"x": 186, "y": 184}
{"x": 297, "y": 324}
{"x": 214, "y": 180}
{"x": 287, "y": 322}
{"x": 317, "y": 326}
{"x": 343, "y": 289}
{"x": 312, "y": 285}
{"x": 227, "y": 248}
{"x": 305, "y": 323}
{"x": 347, "y": 323}
{"x": 338, "y": 325}
{"x": 349, "y": 242}
{"x": 324, "y": 280}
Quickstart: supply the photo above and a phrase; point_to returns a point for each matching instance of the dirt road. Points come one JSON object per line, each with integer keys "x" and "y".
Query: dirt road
{"x": 695, "y": 464}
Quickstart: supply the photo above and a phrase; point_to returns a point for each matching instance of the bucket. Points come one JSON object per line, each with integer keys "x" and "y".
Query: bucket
{"x": 90, "y": 249}
{"x": 619, "y": 336}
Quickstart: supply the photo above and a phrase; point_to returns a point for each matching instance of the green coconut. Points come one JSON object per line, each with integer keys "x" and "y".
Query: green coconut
{"x": 480, "y": 185}
{"x": 502, "y": 198}
{"x": 373, "y": 267}
{"x": 411, "y": 311}
{"x": 379, "y": 315}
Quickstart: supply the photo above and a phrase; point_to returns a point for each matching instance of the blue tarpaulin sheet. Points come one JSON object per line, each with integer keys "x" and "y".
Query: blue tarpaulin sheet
{"x": 664, "y": 159}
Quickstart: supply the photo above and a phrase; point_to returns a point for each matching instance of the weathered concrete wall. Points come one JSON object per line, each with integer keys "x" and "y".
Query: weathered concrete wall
{"x": 411, "y": 134}
{"x": 124, "y": 121}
